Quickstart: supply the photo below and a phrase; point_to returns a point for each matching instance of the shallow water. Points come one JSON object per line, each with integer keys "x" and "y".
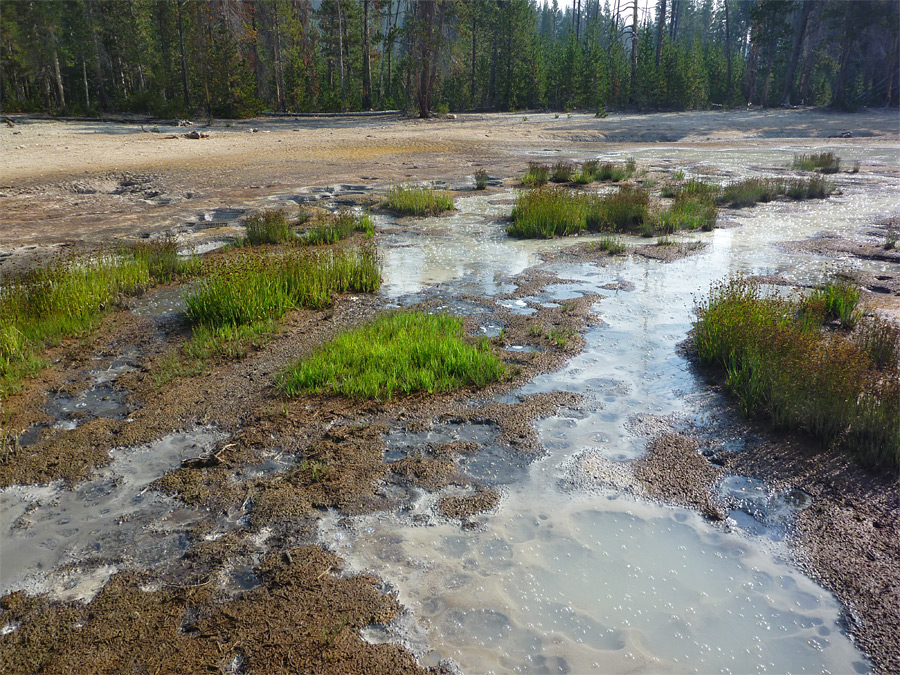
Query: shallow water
{"x": 564, "y": 579}
{"x": 50, "y": 533}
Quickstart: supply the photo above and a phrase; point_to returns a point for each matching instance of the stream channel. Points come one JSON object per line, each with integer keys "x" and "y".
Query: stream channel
{"x": 570, "y": 573}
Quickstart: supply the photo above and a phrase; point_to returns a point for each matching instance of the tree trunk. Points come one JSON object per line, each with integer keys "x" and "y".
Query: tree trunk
{"x": 840, "y": 88}
{"x": 472, "y": 86}
{"x": 184, "y": 79}
{"x": 634, "y": 53}
{"x": 367, "y": 71}
{"x": 800, "y": 34}
{"x": 673, "y": 22}
{"x": 279, "y": 69}
{"x": 425, "y": 27}
{"x": 98, "y": 72}
{"x": 87, "y": 91}
{"x": 727, "y": 55}
{"x": 57, "y": 75}
{"x": 660, "y": 26}
{"x": 341, "y": 53}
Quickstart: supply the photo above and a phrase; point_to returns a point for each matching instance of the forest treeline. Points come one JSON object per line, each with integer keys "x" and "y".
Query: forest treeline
{"x": 233, "y": 58}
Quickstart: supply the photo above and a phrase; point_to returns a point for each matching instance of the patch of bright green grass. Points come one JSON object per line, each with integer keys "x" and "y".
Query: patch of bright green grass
{"x": 800, "y": 375}
{"x": 398, "y": 354}
{"x": 537, "y": 174}
{"x": 251, "y": 288}
{"x": 162, "y": 260}
{"x": 64, "y": 299}
{"x": 417, "y": 201}
{"x": 268, "y": 227}
{"x": 823, "y": 162}
{"x": 335, "y": 228}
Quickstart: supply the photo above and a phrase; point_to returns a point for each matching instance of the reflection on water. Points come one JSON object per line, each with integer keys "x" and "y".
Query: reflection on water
{"x": 591, "y": 580}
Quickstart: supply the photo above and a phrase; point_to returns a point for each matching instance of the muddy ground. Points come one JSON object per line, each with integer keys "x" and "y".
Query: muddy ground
{"x": 73, "y": 184}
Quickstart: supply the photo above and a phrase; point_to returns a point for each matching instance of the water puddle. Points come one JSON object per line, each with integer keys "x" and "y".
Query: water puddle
{"x": 161, "y": 305}
{"x": 567, "y": 578}
{"x": 69, "y": 542}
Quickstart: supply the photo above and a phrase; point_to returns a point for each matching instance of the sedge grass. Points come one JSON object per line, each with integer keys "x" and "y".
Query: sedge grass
{"x": 481, "y": 179}
{"x": 332, "y": 229}
{"x": 622, "y": 211}
{"x": 687, "y": 213}
{"x": 562, "y": 172}
{"x": 268, "y": 227}
{"x": 546, "y": 212}
{"x": 409, "y": 200}
{"x": 537, "y": 174}
{"x": 397, "y": 354}
{"x": 823, "y": 162}
{"x": 798, "y": 374}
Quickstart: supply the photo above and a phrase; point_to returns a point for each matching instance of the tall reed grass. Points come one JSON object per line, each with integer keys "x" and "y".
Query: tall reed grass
{"x": 780, "y": 363}
{"x": 397, "y": 354}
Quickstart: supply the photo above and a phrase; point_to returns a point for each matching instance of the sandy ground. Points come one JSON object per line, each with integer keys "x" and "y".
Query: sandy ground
{"x": 90, "y": 182}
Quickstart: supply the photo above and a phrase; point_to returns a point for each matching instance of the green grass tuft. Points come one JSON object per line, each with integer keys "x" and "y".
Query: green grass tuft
{"x": 410, "y": 200}
{"x": 537, "y": 174}
{"x": 481, "y": 179}
{"x": 823, "y": 162}
{"x": 397, "y": 354}
{"x": 64, "y": 299}
{"x": 622, "y": 211}
{"x": 612, "y": 245}
{"x": 562, "y": 172}
{"x": 268, "y": 227}
{"x": 547, "y": 212}
{"x": 687, "y": 213}
{"x": 779, "y": 363}
{"x": 332, "y": 229}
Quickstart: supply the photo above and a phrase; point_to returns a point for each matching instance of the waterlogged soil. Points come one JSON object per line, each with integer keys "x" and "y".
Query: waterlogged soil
{"x": 241, "y": 584}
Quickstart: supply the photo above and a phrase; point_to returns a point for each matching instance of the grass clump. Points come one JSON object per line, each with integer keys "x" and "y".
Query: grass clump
{"x": 239, "y": 302}
{"x": 687, "y": 213}
{"x": 399, "y": 353}
{"x": 537, "y": 174}
{"x": 750, "y": 191}
{"x": 481, "y": 179}
{"x": 623, "y": 211}
{"x": 779, "y": 363}
{"x": 409, "y": 200}
{"x": 823, "y": 162}
{"x": 610, "y": 172}
{"x": 335, "y": 228}
{"x": 162, "y": 260}
{"x": 611, "y": 245}
{"x": 547, "y": 212}
{"x": 268, "y": 227}
{"x": 67, "y": 298}
{"x": 836, "y": 300}
{"x": 562, "y": 172}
